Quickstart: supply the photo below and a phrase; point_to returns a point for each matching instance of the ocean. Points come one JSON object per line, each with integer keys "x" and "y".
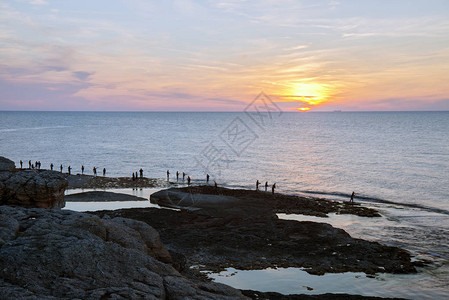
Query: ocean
{"x": 397, "y": 162}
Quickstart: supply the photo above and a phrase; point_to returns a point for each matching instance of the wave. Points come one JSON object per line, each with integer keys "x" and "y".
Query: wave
{"x": 379, "y": 200}
{"x": 32, "y": 128}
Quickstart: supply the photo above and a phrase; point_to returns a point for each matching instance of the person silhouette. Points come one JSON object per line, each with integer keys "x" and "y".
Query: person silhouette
{"x": 136, "y": 175}
{"x": 94, "y": 169}
{"x": 168, "y": 175}
{"x": 29, "y": 164}
{"x": 82, "y": 169}
{"x": 133, "y": 178}
{"x": 104, "y": 172}
{"x": 257, "y": 185}
{"x": 51, "y": 166}
{"x": 266, "y": 186}
{"x": 183, "y": 176}
{"x": 141, "y": 173}
{"x": 69, "y": 169}
{"x": 352, "y": 197}
{"x": 60, "y": 167}
{"x": 273, "y": 187}
{"x": 207, "y": 178}
{"x": 188, "y": 180}
{"x": 21, "y": 164}
{"x": 177, "y": 176}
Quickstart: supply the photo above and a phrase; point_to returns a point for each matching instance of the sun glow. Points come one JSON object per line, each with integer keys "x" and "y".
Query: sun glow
{"x": 303, "y": 108}
{"x": 307, "y": 95}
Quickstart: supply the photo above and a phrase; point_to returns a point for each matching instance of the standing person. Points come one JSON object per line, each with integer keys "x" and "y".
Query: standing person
{"x": 141, "y": 173}
{"x": 177, "y": 176}
{"x": 168, "y": 175}
{"x": 95, "y": 171}
{"x": 69, "y": 169}
{"x": 104, "y": 172}
{"x": 207, "y": 178}
{"x": 266, "y": 186}
{"x": 39, "y": 163}
{"x": 133, "y": 177}
{"x": 82, "y": 169}
{"x": 60, "y": 167}
{"x": 183, "y": 176}
{"x": 273, "y": 187}
{"x": 29, "y": 164}
{"x": 51, "y": 166}
{"x": 136, "y": 175}
{"x": 257, "y": 185}
{"x": 21, "y": 164}
{"x": 352, "y": 197}
{"x": 188, "y": 180}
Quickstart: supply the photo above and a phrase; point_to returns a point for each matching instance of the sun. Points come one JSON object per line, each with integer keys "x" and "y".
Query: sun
{"x": 303, "y": 108}
{"x": 307, "y": 94}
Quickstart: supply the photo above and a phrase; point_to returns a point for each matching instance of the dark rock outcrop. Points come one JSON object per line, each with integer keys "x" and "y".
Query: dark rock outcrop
{"x": 226, "y": 201}
{"x": 6, "y": 164}
{"x": 58, "y": 254}
{"x": 32, "y": 188}
{"x": 216, "y": 242}
{"x": 101, "y": 196}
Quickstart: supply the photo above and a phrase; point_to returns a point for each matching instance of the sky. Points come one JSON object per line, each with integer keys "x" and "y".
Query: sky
{"x": 183, "y": 55}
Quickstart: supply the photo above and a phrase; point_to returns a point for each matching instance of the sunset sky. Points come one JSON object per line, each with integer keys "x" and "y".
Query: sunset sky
{"x": 219, "y": 55}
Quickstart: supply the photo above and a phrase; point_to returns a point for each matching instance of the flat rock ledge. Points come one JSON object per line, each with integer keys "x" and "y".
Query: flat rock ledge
{"x": 91, "y": 182}
{"x": 61, "y": 254}
{"x": 214, "y": 242}
{"x": 100, "y": 196}
{"x": 224, "y": 201}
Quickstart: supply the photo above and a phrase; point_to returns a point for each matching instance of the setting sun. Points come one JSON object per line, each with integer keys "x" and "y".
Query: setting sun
{"x": 303, "y": 108}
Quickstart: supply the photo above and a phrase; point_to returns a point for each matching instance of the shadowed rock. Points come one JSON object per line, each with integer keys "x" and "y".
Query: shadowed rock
{"x": 6, "y": 164}
{"x": 32, "y": 188}
{"x": 57, "y": 254}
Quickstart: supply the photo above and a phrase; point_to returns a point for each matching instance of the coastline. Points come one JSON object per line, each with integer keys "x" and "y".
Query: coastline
{"x": 249, "y": 236}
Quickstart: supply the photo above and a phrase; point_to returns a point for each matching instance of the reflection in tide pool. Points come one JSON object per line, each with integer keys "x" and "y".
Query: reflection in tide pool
{"x": 297, "y": 281}
{"x": 109, "y": 205}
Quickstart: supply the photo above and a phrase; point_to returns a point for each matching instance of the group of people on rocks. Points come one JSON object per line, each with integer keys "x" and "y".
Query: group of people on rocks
{"x": 135, "y": 175}
{"x": 177, "y": 177}
{"x": 37, "y": 165}
{"x": 266, "y": 186}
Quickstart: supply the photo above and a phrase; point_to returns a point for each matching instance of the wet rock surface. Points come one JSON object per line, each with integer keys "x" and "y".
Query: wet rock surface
{"x": 89, "y": 182}
{"x": 32, "y": 188}
{"x": 238, "y": 199}
{"x": 277, "y": 296}
{"x": 248, "y": 241}
{"x": 57, "y": 254}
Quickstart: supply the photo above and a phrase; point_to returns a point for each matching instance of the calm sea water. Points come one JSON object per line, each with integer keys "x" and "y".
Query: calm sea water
{"x": 397, "y": 156}
{"x": 397, "y": 162}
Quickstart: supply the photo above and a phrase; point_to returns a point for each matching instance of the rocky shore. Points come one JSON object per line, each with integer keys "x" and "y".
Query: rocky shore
{"x": 101, "y": 196}
{"x": 211, "y": 242}
{"x": 150, "y": 253}
{"x": 100, "y": 182}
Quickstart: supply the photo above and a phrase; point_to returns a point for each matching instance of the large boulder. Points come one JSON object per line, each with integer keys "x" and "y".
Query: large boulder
{"x": 176, "y": 198}
{"x": 6, "y": 164}
{"x": 61, "y": 254}
{"x": 32, "y": 188}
